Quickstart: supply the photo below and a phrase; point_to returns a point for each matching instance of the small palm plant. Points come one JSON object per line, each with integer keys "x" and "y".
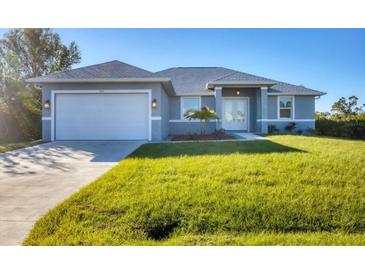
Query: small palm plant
{"x": 204, "y": 115}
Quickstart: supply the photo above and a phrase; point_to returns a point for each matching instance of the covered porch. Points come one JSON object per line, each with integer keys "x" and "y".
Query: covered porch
{"x": 242, "y": 108}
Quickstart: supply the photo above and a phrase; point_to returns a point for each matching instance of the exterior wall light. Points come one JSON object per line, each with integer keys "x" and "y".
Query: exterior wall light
{"x": 154, "y": 103}
{"x": 238, "y": 92}
{"x": 47, "y": 104}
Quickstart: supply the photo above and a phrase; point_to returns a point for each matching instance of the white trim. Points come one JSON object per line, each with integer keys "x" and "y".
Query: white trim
{"x": 181, "y": 104}
{"x": 287, "y": 120}
{"x": 46, "y": 118}
{"x": 101, "y": 91}
{"x": 156, "y": 118}
{"x": 196, "y": 94}
{"x": 293, "y": 93}
{"x": 190, "y": 121}
{"x": 292, "y": 108}
{"x": 149, "y": 107}
{"x": 248, "y": 108}
{"x": 53, "y": 106}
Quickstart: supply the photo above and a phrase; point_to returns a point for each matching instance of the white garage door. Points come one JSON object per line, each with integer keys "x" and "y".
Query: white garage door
{"x": 101, "y": 116}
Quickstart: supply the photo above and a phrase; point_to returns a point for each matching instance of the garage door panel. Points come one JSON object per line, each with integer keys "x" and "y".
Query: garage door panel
{"x": 102, "y": 116}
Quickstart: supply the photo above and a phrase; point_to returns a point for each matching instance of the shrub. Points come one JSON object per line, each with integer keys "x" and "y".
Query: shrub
{"x": 272, "y": 129}
{"x": 291, "y": 126}
{"x": 350, "y": 127}
{"x": 204, "y": 115}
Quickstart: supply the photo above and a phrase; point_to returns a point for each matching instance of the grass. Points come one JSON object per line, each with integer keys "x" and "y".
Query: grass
{"x": 4, "y": 147}
{"x": 288, "y": 190}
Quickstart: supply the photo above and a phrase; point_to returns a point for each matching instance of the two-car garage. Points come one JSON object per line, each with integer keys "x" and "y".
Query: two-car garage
{"x": 101, "y": 116}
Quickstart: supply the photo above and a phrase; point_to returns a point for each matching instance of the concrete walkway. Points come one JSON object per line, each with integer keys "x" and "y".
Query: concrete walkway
{"x": 35, "y": 179}
{"x": 247, "y": 136}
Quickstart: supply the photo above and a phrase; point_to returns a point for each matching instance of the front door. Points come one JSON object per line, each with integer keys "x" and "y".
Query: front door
{"x": 235, "y": 114}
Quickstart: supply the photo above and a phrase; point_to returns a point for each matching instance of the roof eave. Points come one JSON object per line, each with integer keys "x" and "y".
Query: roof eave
{"x": 165, "y": 82}
{"x": 211, "y": 85}
{"x": 314, "y": 93}
{"x": 95, "y": 80}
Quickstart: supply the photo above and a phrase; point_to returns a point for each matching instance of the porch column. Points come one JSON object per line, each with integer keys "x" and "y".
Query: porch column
{"x": 264, "y": 112}
{"x": 218, "y": 105}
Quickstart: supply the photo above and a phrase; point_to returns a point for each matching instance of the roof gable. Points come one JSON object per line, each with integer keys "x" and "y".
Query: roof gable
{"x": 189, "y": 80}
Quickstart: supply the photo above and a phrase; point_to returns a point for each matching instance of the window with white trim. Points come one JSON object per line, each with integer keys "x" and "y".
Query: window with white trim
{"x": 188, "y": 104}
{"x": 285, "y": 107}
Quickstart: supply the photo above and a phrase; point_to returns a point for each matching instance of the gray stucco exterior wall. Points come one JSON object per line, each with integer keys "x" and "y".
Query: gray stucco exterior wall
{"x": 304, "y": 107}
{"x": 175, "y": 105}
{"x": 174, "y": 108}
{"x": 303, "y": 126}
{"x": 272, "y": 111}
{"x": 178, "y": 126}
{"x": 46, "y": 95}
{"x": 157, "y": 130}
{"x": 258, "y": 105}
{"x": 46, "y": 130}
{"x": 167, "y": 115}
{"x": 165, "y": 107}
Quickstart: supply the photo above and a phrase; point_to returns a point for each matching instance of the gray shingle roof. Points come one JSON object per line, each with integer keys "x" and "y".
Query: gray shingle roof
{"x": 238, "y": 76}
{"x": 182, "y": 80}
{"x": 193, "y": 79}
{"x": 190, "y": 80}
{"x": 282, "y": 87}
{"x": 109, "y": 70}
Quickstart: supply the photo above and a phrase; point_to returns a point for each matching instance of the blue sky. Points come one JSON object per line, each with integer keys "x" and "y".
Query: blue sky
{"x": 329, "y": 60}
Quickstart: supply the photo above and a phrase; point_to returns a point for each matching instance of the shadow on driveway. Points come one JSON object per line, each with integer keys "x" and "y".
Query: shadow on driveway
{"x": 35, "y": 179}
{"x": 59, "y": 156}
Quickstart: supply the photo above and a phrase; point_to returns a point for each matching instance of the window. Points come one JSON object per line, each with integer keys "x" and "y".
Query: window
{"x": 286, "y": 106}
{"x": 189, "y": 103}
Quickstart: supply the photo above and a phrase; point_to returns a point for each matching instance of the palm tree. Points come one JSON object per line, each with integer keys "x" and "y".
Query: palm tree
{"x": 204, "y": 115}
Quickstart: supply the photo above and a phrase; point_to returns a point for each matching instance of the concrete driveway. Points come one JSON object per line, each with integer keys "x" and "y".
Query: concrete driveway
{"x": 35, "y": 179}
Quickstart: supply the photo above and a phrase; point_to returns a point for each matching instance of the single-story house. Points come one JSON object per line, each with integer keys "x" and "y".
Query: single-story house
{"x": 118, "y": 101}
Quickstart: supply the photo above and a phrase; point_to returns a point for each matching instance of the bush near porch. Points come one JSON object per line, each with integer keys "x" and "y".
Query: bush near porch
{"x": 287, "y": 190}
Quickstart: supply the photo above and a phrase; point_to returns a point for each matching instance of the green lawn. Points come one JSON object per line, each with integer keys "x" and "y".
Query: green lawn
{"x": 11, "y": 146}
{"x": 288, "y": 190}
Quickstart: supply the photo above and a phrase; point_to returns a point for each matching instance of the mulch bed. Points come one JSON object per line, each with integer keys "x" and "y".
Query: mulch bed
{"x": 203, "y": 137}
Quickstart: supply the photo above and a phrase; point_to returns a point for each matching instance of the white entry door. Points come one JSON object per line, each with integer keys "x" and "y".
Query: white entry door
{"x": 235, "y": 114}
{"x": 114, "y": 116}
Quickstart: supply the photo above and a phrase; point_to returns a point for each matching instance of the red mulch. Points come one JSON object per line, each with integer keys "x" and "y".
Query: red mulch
{"x": 203, "y": 137}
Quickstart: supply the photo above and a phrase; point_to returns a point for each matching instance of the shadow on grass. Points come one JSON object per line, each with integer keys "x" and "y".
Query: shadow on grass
{"x": 327, "y": 137}
{"x": 161, "y": 150}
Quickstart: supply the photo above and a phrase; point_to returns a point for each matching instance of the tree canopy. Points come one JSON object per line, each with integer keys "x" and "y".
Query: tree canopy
{"x": 348, "y": 107}
{"x": 26, "y": 53}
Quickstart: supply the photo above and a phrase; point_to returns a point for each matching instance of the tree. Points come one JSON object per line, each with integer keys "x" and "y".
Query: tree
{"x": 204, "y": 115}
{"x": 322, "y": 115}
{"x": 19, "y": 111}
{"x": 29, "y": 53}
{"x": 26, "y": 53}
{"x": 346, "y": 108}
